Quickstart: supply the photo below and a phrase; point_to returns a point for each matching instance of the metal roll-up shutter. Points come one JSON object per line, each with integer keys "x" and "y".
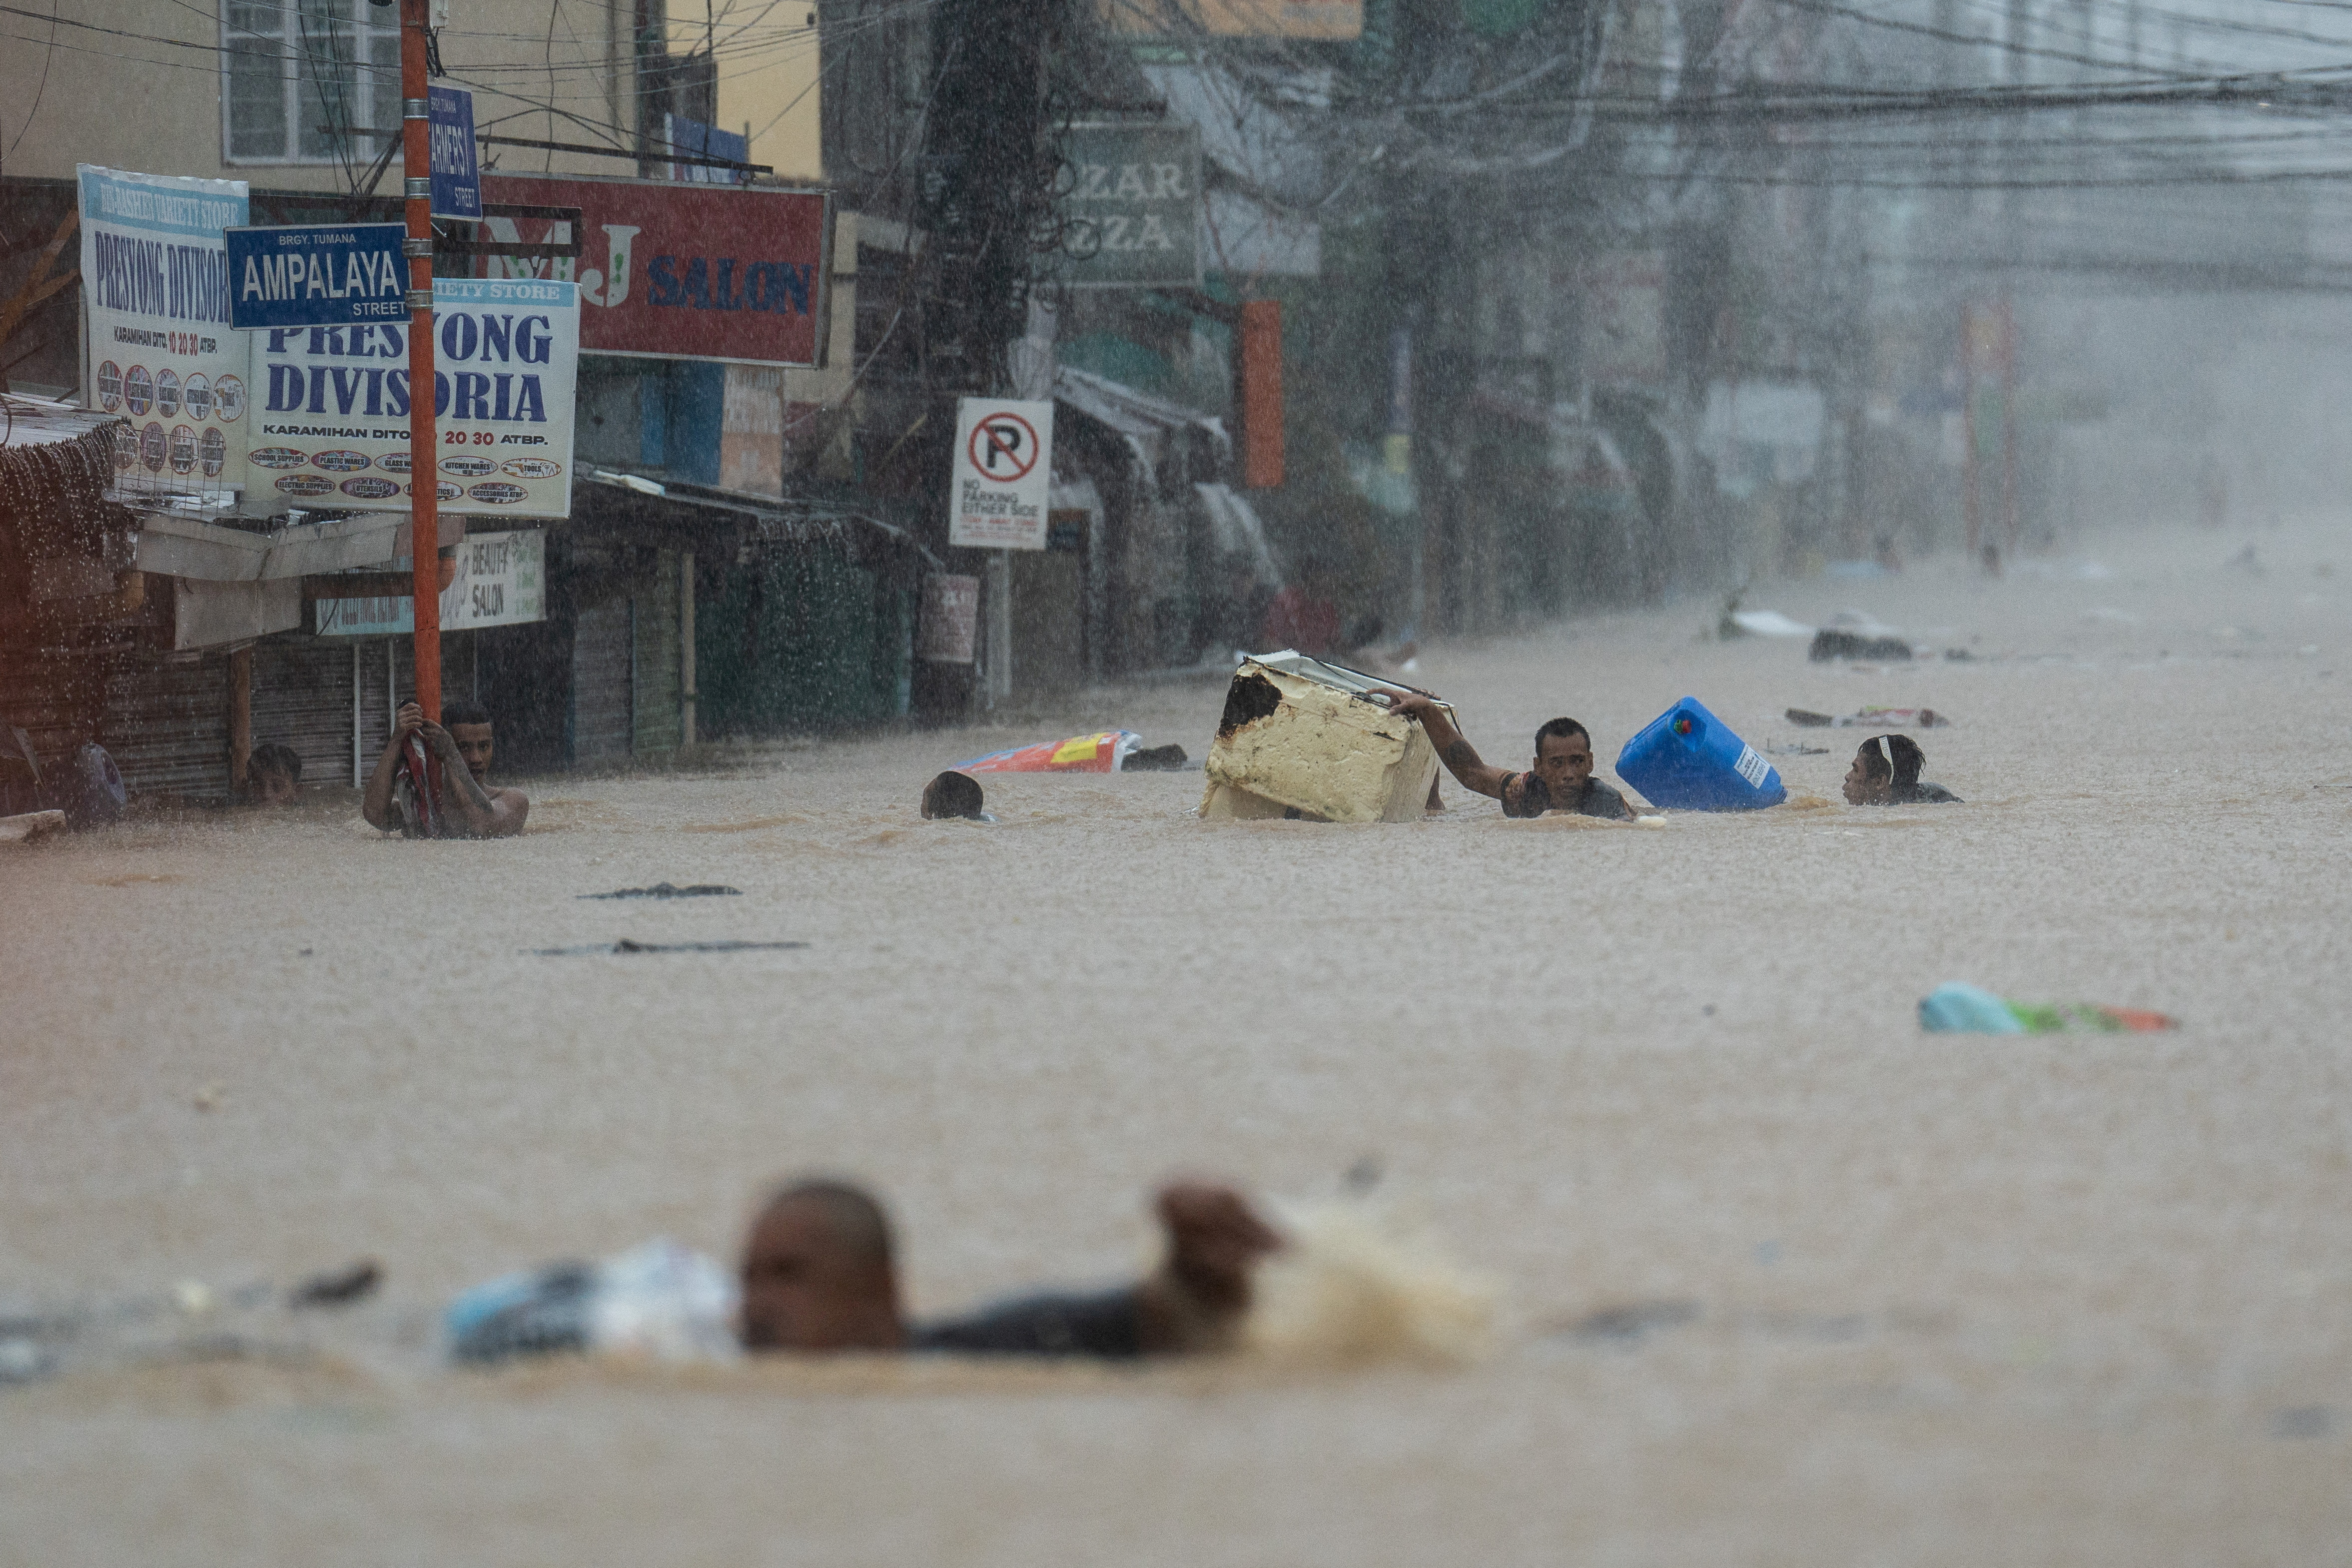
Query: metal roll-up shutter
{"x": 386, "y": 678}
{"x": 166, "y": 726}
{"x": 658, "y": 723}
{"x": 303, "y": 698}
{"x": 58, "y": 702}
{"x": 603, "y": 710}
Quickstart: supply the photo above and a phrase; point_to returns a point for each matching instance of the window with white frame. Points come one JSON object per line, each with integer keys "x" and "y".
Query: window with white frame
{"x": 309, "y": 82}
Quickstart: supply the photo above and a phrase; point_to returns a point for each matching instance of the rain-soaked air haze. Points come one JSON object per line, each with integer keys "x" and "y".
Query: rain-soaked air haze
{"x": 1612, "y": 348}
{"x": 1779, "y": 1267}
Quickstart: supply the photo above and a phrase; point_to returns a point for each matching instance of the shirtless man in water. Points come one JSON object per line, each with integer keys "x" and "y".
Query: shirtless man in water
{"x": 819, "y": 1273}
{"x": 1561, "y": 779}
{"x": 469, "y": 808}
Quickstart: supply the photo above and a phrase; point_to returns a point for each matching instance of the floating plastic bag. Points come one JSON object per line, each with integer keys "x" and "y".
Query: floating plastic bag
{"x": 1960, "y": 1009}
{"x": 1100, "y": 752}
{"x": 660, "y": 1301}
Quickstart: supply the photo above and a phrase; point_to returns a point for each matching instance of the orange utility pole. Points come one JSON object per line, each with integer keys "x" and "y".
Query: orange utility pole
{"x": 423, "y": 466}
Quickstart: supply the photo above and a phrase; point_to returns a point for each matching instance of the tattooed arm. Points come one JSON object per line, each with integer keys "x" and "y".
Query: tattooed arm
{"x": 1460, "y": 757}
{"x": 485, "y": 812}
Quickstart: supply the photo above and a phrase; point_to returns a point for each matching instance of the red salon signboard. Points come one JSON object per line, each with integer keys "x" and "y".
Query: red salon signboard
{"x": 680, "y": 271}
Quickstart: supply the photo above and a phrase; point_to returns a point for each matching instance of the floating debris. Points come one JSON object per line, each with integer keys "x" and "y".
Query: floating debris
{"x": 1629, "y": 1323}
{"x": 625, "y": 945}
{"x": 339, "y": 1286}
{"x": 671, "y": 890}
{"x": 2304, "y": 1421}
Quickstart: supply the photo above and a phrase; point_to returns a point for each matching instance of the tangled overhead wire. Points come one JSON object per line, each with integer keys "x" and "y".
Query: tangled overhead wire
{"x": 991, "y": 177}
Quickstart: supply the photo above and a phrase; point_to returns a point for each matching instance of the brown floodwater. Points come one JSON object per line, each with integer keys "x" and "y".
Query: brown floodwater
{"x": 1789, "y": 1281}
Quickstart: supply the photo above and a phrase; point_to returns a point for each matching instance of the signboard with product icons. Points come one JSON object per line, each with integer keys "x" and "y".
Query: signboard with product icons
{"x": 330, "y": 420}
{"x": 161, "y": 353}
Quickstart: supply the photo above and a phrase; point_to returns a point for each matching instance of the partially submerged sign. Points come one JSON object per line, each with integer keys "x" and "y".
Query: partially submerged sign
{"x": 1003, "y": 472}
{"x": 500, "y": 581}
{"x": 315, "y": 275}
{"x": 680, "y": 271}
{"x": 155, "y": 304}
{"x": 1132, "y": 214}
{"x": 330, "y": 424}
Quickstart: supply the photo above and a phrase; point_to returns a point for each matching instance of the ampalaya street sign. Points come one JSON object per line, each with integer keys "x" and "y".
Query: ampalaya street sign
{"x": 315, "y": 275}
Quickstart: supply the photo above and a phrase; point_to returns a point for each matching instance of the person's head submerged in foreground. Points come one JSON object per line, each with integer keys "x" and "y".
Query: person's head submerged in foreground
{"x": 954, "y": 794}
{"x": 819, "y": 1273}
{"x": 1885, "y": 772}
{"x": 273, "y": 775}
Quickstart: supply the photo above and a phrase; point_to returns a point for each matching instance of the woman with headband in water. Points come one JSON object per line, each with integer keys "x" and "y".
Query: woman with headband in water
{"x": 1885, "y": 772}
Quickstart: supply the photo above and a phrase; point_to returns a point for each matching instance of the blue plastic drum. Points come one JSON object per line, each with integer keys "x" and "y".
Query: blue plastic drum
{"x": 1689, "y": 759}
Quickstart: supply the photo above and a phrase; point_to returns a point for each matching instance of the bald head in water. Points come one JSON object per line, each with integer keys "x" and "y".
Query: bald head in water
{"x": 819, "y": 1273}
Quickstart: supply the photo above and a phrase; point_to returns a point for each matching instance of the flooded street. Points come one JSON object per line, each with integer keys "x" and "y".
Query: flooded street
{"x": 1789, "y": 1281}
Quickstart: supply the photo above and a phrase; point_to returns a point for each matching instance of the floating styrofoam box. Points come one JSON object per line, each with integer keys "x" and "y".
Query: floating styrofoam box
{"x": 1301, "y": 735}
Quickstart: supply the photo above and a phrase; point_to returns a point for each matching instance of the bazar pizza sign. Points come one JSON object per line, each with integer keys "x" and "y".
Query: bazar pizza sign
{"x": 671, "y": 270}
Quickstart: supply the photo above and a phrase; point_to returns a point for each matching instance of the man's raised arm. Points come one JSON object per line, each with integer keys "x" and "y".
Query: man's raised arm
{"x": 1460, "y": 757}
{"x": 376, "y": 804}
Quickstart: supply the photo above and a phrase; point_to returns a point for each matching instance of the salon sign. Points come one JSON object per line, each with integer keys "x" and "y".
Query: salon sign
{"x": 674, "y": 270}
{"x": 500, "y": 579}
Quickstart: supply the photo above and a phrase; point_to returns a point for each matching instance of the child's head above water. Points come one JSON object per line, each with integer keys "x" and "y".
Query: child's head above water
{"x": 954, "y": 794}
{"x": 274, "y": 773}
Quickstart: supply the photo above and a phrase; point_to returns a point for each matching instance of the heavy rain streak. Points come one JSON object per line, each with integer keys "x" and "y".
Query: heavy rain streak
{"x": 1194, "y": 782}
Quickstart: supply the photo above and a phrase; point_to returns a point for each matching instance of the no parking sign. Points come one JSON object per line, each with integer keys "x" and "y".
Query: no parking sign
{"x": 1004, "y": 468}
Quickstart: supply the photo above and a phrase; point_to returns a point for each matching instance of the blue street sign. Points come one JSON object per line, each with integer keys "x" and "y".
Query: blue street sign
{"x": 456, "y": 175}
{"x": 315, "y": 275}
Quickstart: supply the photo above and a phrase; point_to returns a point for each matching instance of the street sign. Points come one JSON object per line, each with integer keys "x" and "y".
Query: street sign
{"x": 1004, "y": 470}
{"x": 500, "y": 579}
{"x": 315, "y": 275}
{"x": 1132, "y": 214}
{"x": 457, "y": 176}
{"x": 674, "y": 272}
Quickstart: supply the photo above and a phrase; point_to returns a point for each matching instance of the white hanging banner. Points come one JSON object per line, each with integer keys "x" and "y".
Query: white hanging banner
{"x": 1003, "y": 471}
{"x": 154, "y": 272}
